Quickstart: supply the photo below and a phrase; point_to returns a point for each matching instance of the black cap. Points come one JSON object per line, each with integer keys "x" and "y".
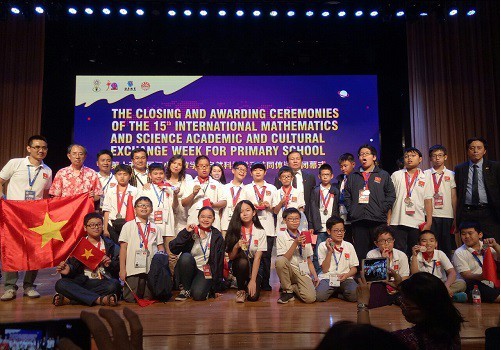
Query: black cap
{"x": 258, "y": 165}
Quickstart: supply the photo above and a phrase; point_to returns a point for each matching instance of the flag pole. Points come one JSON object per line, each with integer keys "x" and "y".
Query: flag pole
{"x": 69, "y": 255}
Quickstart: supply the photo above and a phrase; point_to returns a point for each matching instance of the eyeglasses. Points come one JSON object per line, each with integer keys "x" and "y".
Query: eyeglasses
{"x": 38, "y": 148}
{"x": 143, "y": 206}
{"x": 293, "y": 219}
{"x": 203, "y": 166}
{"x": 388, "y": 241}
{"x": 242, "y": 169}
{"x": 338, "y": 230}
{"x": 441, "y": 155}
{"x": 95, "y": 226}
{"x": 286, "y": 177}
{"x": 365, "y": 154}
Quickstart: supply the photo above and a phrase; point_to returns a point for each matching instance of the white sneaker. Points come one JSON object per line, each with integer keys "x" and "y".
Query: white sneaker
{"x": 31, "y": 293}
{"x": 9, "y": 294}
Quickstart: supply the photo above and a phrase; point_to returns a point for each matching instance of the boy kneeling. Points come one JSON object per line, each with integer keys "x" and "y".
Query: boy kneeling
{"x": 339, "y": 262}
{"x": 293, "y": 262}
{"x": 80, "y": 285}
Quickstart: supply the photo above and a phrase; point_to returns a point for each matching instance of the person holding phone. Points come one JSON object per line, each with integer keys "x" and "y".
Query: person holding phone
{"x": 245, "y": 244}
{"x": 339, "y": 263}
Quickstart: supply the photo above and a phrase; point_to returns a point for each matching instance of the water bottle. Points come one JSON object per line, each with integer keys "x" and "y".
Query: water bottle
{"x": 475, "y": 296}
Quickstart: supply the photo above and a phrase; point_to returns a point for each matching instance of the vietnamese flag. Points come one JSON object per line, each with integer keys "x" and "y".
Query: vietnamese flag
{"x": 489, "y": 270}
{"x": 87, "y": 254}
{"x": 41, "y": 233}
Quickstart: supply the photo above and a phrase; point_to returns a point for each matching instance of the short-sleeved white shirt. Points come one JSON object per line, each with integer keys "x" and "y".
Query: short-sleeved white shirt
{"x": 423, "y": 189}
{"x": 346, "y": 259}
{"x": 210, "y": 189}
{"x": 329, "y": 197}
{"x": 285, "y": 241}
{"x": 258, "y": 242}
{"x": 107, "y": 182}
{"x": 110, "y": 203}
{"x": 464, "y": 260}
{"x": 438, "y": 265}
{"x": 130, "y": 235}
{"x": 181, "y": 214}
{"x": 398, "y": 262}
{"x": 445, "y": 188}
{"x": 296, "y": 201}
{"x": 16, "y": 170}
{"x": 230, "y": 206}
{"x": 162, "y": 201}
{"x": 265, "y": 216}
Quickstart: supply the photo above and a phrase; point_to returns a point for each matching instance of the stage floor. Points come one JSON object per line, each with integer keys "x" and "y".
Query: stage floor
{"x": 221, "y": 323}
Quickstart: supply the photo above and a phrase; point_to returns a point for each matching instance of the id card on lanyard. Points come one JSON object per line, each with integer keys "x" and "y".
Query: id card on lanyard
{"x": 30, "y": 195}
{"x": 206, "y": 267}
{"x": 438, "y": 197}
{"x": 158, "y": 214}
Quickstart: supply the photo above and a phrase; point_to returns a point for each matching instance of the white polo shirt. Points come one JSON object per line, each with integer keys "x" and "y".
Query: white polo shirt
{"x": 211, "y": 189}
{"x": 16, "y": 170}
{"x": 162, "y": 202}
{"x": 422, "y": 189}
{"x": 446, "y": 186}
{"x": 341, "y": 262}
{"x": 398, "y": 262}
{"x": 197, "y": 252}
{"x": 285, "y": 241}
{"x": 266, "y": 215}
{"x": 230, "y": 206}
{"x": 438, "y": 265}
{"x": 464, "y": 260}
{"x": 106, "y": 182}
{"x": 130, "y": 235}
{"x": 110, "y": 203}
{"x": 296, "y": 201}
{"x": 257, "y": 243}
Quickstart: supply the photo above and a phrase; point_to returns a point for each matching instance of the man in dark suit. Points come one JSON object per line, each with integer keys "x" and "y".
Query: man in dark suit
{"x": 302, "y": 181}
{"x": 477, "y": 184}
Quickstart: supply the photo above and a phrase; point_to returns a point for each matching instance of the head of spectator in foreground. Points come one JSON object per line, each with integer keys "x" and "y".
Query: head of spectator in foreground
{"x": 76, "y": 155}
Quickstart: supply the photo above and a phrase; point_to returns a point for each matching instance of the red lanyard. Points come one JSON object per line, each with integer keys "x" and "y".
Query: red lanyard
{"x": 235, "y": 197}
{"x": 287, "y": 196}
{"x": 244, "y": 235}
{"x": 202, "y": 181}
{"x": 410, "y": 184}
{"x": 436, "y": 185}
{"x": 120, "y": 202}
{"x": 260, "y": 196}
{"x": 366, "y": 179}
{"x": 144, "y": 237}
{"x": 325, "y": 201}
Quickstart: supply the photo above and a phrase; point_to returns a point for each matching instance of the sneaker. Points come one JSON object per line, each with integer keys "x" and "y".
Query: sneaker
{"x": 241, "y": 294}
{"x": 285, "y": 298}
{"x": 183, "y": 295}
{"x": 460, "y": 297}
{"x": 31, "y": 293}
{"x": 234, "y": 283}
{"x": 9, "y": 294}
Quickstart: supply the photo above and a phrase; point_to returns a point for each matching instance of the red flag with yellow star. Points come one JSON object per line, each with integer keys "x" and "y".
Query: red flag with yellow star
{"x": 87, "y": 254}
{"x": 41, "y": 233}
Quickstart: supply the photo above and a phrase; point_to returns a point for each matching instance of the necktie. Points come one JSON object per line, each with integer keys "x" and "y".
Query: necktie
{"x": 294, "y": 180}
{"x": 475, "y": 198}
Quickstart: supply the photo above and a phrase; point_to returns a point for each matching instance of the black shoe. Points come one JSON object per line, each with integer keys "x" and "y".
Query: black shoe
{"x": 266, "y": 288}
{"x": 285, "y": 298}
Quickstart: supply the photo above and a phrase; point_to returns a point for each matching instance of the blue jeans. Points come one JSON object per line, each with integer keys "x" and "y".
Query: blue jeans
{"x": 85, "y": 290}
{"x": 192, "y": 278}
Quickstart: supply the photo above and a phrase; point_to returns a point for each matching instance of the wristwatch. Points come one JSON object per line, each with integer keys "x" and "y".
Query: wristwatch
{"x": 361, "y": 306}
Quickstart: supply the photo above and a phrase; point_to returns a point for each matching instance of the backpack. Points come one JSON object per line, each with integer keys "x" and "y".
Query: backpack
{"x": 159, "y": 277}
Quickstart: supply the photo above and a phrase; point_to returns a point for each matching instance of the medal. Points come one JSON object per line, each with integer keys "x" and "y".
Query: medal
{"x": 326, "y": 212}
{"x": 119, "y": 216}
{"x": 437, "y": 195}
{"x": 94, "y": 274}
{"x": 408, "y": 201}
{"x": 194, "y": 236}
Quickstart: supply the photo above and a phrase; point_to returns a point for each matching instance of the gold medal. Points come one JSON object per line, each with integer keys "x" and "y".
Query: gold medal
{"x": 119, "y": 216}
{"x": 326, "y": 212}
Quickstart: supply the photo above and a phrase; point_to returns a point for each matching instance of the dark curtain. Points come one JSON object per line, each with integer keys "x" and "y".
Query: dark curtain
{"x": 454, "y": 81}
{"x": 21, "y": 82}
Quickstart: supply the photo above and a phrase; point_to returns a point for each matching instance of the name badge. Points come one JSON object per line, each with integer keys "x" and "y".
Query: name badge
{"x": 207, "y": 273}
{"x": 140, "y": 259}
{"x": 334, "y": 280}
{"x": 158, "y": 216}
{"x": 230, "y": 212}
{"x": 363, "y": 196}
{"x": 303, "y": 268}
{"x": 101, "y": 200}
{"x": 438, "y": 201}
{"x": 29, "y": 195}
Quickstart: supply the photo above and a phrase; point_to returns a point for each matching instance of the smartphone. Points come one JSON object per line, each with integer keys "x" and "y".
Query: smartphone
{"x": 44, "y": 334}
{"x": 375, "y": 270}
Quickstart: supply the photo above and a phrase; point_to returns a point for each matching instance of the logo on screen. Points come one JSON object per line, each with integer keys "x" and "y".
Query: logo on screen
{"x": 130, "y": 86}
{"x": 145, "y": 86}
{"x": 96, "y": 87}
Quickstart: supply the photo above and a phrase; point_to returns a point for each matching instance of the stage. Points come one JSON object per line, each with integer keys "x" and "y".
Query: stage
{"x": 221, "y": 323}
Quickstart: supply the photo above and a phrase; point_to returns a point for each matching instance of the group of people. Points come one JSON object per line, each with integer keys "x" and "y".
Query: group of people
{"x": 211, "y": 232}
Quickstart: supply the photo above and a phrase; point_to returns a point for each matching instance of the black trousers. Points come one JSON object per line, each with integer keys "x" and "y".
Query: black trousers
{"x": 363, "y": 237}
{"x": 406, "y": 238}
{"x": 242, "y": 268}
{"x": 266, "y": 261}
